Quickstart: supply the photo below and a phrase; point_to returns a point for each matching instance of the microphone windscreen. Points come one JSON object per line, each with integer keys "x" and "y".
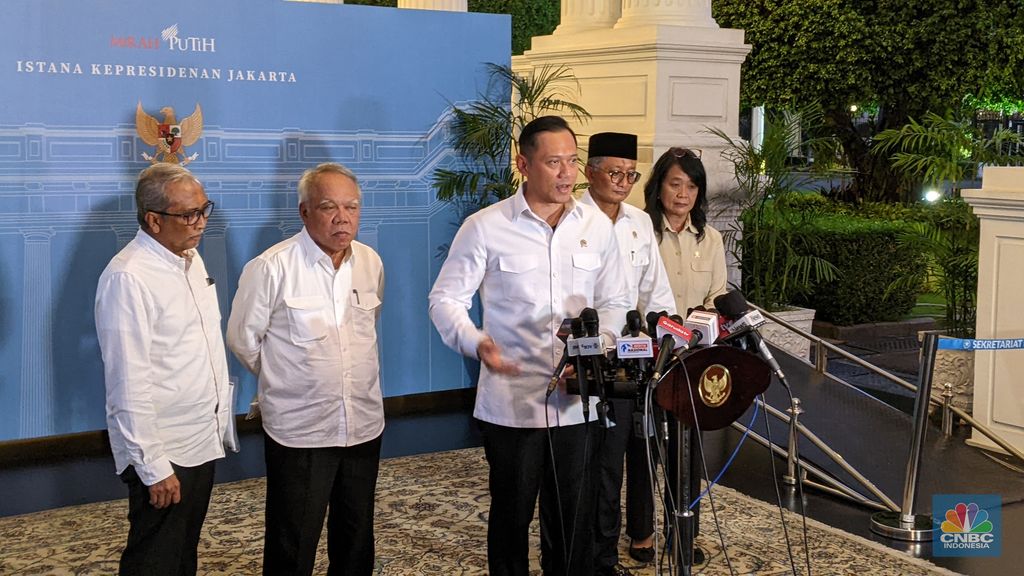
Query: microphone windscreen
{"x": 591, "y": 322}
{"x": 732, "y": 304}
{"x": 576, "y": 326}
{"x": 634, "y": 323}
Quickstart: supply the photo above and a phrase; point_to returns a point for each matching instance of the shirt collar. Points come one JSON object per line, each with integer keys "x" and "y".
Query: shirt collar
{"x": 588, "y": 199}
{"x": 313, "y": 253}
{"x": 161, "y": 251}
{"x": 689, "y": 227}
{"x": 519, "y": 205}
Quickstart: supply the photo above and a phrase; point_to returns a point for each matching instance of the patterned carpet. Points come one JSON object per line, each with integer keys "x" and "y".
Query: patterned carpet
{"x": 431, "y": 519}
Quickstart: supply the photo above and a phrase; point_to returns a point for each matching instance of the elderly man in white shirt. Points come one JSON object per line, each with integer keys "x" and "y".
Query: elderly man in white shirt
{"x": 611, "y": 173}
{"x": 535, "y": 258}
{"x": 304, "y": 321}
{"x": 168, "y": 405}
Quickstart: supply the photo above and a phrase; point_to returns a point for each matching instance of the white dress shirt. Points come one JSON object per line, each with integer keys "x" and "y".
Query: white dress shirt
{"x": 309, "y": 332}
{"x": 168, "y": 394}
{"x": 649, "y": 287}
{"x": 530, "y": 278}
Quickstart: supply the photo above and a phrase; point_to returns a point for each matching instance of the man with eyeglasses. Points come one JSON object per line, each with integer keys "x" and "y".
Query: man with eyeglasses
{"x": 611, "y": 173}
{"x": 168, "y": 405}
{"x": 304, "y": 321}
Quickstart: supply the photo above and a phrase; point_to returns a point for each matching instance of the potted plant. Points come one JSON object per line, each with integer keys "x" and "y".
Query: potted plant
{"x": 483, "y": 133}
{"x": 771, "y": 242}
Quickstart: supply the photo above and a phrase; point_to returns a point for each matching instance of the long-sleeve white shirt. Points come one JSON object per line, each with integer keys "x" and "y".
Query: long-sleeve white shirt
{"x": 649, "y": 287}
{"x": 168, "y": 395}
{"x": 308, "y": 331}
{"x": 530, "y": 278}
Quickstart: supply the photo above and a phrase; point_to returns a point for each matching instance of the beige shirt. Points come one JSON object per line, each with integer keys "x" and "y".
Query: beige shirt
{"x": 696, "y": 272}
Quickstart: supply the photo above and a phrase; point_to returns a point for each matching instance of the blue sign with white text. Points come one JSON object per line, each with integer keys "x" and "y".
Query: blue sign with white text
{"x": 247, "y": 94}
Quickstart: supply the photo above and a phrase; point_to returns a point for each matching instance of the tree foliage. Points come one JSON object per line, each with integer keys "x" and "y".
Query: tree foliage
{"x": 903, "y": 59}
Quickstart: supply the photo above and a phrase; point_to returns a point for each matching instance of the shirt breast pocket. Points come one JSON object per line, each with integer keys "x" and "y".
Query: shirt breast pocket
{"x": 518, "y": 276}
{"x": 639, "y": 260}
{"x": 585, "y": 267}
{"x": 307, "y": 321}
{"x": 702, "y": 265}
{"x": 363, "y": 310}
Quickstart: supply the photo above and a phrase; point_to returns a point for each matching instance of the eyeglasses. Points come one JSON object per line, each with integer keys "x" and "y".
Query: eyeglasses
{"x": 192, "y": 217}
{"x": 680, "y": 152}
{"x": 616, "y": 176}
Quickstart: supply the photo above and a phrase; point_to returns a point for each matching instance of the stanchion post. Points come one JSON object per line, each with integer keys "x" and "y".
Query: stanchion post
{"x": 905, "y": 525}
{"x": 947, "y": 412}
{"x": 790, "y": 477}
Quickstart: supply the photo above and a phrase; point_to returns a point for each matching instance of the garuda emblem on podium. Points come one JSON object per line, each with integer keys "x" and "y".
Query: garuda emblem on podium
{"x": 715, "y": 385}
{"x": 169, "y": 136}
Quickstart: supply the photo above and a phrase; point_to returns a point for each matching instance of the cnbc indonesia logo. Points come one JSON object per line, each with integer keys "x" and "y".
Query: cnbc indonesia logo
{"x": 968, "y": 528}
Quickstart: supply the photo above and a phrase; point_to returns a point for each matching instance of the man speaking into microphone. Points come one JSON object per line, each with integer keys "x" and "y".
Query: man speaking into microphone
{"x": 611, "y": 173}
{"x": 535, "y": 258}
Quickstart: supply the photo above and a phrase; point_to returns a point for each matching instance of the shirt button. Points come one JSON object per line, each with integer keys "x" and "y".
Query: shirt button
{"x": 554, "y": 274}
{"x": 677, "y": 253}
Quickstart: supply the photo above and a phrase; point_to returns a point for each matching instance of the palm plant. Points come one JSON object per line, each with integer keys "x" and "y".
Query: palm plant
{"x": 483, "y": 132}
{"x": 773, "y": 244}
{"x": 944, "y": 151}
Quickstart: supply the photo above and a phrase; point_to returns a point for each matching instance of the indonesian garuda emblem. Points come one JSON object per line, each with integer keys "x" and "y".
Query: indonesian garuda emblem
{"x": 715, "y": 385}
{"x": 169, "y": 136}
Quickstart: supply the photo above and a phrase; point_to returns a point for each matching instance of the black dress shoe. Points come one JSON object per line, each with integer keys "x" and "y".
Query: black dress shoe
{"x": 645, "y": 555}
{"x": 698, "y": 556}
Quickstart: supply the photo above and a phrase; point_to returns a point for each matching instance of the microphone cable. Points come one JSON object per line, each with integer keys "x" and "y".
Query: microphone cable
{"x": 778, "y": 491}
{"x": 732, "y": 456}
{"x": 652, "y": 469}
{"x": 799, "y": 477}
{"x": 567, "y": 546}
{"x": 704, "y": 465}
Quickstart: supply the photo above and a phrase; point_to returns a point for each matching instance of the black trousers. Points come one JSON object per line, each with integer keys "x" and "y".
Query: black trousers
{"x": 164, "y": 541}
{"x": 609, "y": 466}
{"x": 520, "y": 468}
{"x": 304, "y": 484}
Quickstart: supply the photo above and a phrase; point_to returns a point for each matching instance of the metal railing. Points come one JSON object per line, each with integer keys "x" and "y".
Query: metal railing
{"x": 820, "y": 364}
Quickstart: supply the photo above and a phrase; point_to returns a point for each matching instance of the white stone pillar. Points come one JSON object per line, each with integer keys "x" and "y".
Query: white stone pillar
{"x": 447, "y": 5}
{"x": 998, "y": 387}
{"x": 665, "y": 72}
{"x": 36, "y": 413}
{"x": 584, "y": 15}
{"x": 666, "y": 13}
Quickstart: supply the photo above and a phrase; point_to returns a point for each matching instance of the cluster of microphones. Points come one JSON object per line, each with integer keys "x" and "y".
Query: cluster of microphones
{"x": 649, "y": 347}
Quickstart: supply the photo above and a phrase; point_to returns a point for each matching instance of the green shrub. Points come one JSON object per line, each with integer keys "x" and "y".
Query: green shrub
{"x": 871, "y": 261}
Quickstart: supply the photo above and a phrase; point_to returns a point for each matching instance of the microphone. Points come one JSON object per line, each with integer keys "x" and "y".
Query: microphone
{"x": 593, "y": 346}
{"x": 746, "y": 321}
{"x": 672, "y": 336}
{"x": 704, "y": 325}
{"x": 652, "y": 321}
{"x": 634, "y": 346}
{"x": 564, "y": 331}
{"x": 634, "y": 324}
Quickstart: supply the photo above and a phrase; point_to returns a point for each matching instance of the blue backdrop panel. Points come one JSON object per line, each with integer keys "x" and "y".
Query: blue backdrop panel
{"x": 282, "y": 86}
